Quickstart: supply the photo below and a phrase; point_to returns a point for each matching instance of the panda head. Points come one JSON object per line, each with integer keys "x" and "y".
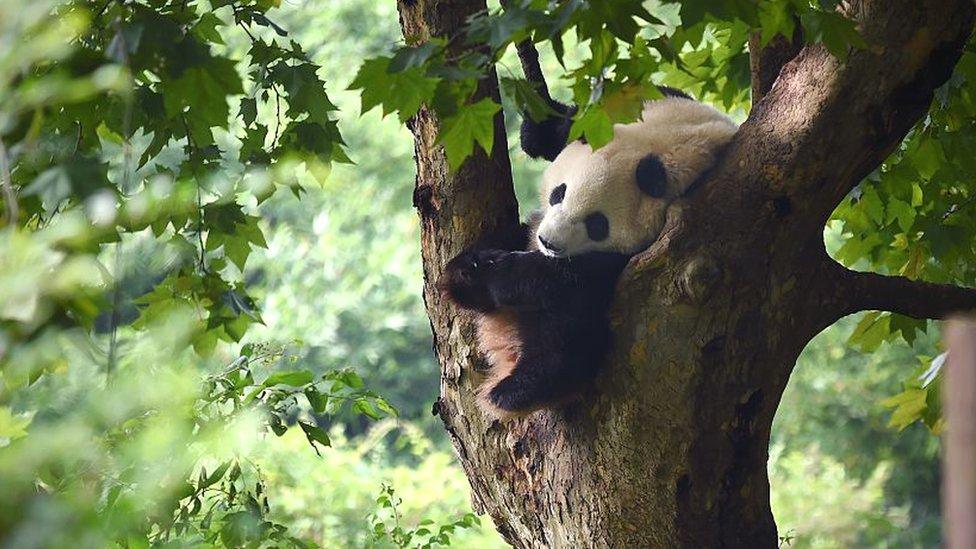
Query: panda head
{"x": 614, "y": 199}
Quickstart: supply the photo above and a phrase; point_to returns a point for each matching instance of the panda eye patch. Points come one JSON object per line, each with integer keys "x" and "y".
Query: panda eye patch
{"x": 557, "y": 194}
{"x": 597, "y": 226}
{"x": 652, "y": 177}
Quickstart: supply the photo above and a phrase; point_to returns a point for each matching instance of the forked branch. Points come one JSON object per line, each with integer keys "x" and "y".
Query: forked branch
{"x": 765, "y": 63}
{"x": 829, "y": 122}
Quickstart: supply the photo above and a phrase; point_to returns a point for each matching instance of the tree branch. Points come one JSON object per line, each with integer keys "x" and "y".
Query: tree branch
{"x": 7, "y": 186}
{"x": 864, "y": 291}
{"x": 765, "y": 63}
{"x": 829, "y": 122}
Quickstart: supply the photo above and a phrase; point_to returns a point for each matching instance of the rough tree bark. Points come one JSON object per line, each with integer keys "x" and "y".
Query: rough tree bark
{"x": 670, "y": 447}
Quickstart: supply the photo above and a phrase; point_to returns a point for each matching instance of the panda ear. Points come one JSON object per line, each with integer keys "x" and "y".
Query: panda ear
{"x": 652, "y": 177}
{"x": 547, "y": 138}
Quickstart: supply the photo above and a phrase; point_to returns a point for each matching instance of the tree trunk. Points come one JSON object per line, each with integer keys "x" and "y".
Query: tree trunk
{"x": 670, "y": 446}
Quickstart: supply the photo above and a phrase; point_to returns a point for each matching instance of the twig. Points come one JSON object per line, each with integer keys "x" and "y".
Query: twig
{"x": 193, "y": 150}
{"x": 247, "y": 31}
{"x": 6, "y": 183}
{"x": 277, "y": 132}
{"x": 113, "y": 341}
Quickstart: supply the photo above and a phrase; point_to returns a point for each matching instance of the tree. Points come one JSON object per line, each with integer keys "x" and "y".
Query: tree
{"x": 670, "y": 447}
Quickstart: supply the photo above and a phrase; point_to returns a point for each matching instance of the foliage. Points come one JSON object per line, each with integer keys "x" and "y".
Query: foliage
{"x": 833, "y": 440}
{"x": 353, "y": 258}
{"x": 699, "y": 46}
{"x": 131, "y": 153}
{"x": 844, "y": 512}
{"x": 911, "y": 217}
{"x": 387, "y": 526}
{"x": 332, "y": 501}
{"x": 107, "y": 457}
{"x": 156, "y": 152}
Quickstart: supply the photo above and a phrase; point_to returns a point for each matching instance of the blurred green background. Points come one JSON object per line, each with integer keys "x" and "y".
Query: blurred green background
{"x": 340, "y": 287}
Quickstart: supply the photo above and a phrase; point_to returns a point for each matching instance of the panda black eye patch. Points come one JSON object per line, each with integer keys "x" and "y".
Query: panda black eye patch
{"x": 557, "y": 194}
{"x": 597, "y": 226}
{"x": 652, "y": 178}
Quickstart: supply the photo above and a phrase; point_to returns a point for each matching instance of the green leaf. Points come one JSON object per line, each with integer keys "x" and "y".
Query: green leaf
{"x": 907, "y": 326}
{"x": 902, "y": 212}
{"x": 386, "y": 407}
{"x": 366, "y": 408}
{"x": 871, "y": 331}
{"x": 909, "y": 407}
{"x": 836, "y": 32}
{"x": 594, "y": 125}
{"x": 402, "y": 92}
{"x": 471, "y": 124}
{"x": 249, "y": 111}
{"x": 623, "y": 104}
{"x": 409, "y": 57}
{"x": 316, "y": 399}
{"x": 212, "y": 478}
{"x": 12, "y": 426}
{"x": 200, "y": 96}
{"x": 928, "y": 157}
{"x": 498, "y": 29}
{"x": 206, "y": 28}
{"x": 237, "y": 250}
{"x": 294, "y": 378}
{"x": 349, "y": 378}
{"x": 872, "y": 205}
{"x": 775, "y": 18}
{"x": 315, "y": 434}
{"x": 77, "y": 179}
{"x": 306, "y": 93}
{"x": 527, "y": 98}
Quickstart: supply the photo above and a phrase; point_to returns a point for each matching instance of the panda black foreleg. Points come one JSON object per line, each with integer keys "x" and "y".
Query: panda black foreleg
{"x": 466, "y": 277}
{"x": 484, "y": 280}
{"x": 530, "y": 280}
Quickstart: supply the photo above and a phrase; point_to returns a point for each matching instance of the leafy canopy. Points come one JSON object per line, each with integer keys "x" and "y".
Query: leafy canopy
{"x": 626, "y": 46}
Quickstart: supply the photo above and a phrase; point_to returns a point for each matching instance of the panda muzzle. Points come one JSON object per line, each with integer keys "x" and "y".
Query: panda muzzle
{"x": 556, "y": 250}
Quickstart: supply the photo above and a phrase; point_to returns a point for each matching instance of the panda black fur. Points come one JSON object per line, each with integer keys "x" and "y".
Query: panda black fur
{"x": 542, "y": 321}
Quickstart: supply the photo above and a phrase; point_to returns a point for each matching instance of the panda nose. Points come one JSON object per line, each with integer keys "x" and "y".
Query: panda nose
{"x": 550, "y": 246}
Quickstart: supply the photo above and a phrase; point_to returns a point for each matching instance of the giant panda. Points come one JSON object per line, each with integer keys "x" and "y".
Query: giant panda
{"x": 542, "y": 312}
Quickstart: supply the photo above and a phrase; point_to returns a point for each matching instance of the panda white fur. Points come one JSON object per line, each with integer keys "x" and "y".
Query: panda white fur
{"x": 542, "y": 312}
{"x": 627, "y": 185}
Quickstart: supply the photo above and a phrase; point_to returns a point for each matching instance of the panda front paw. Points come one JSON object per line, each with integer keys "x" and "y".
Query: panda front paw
{"x": 474, "y": 265}
{"x": 465, "y": 278}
